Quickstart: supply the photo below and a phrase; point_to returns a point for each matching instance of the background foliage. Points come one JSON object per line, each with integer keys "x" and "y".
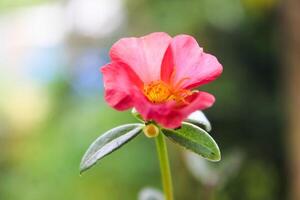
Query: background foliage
{"x": 52, "y": 107}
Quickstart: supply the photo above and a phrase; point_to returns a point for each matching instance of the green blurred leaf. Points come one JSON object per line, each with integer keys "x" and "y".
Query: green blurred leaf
{"x": 195, "y": 139}
{"x": 107, "y": 143}
{"x": 198, "y": 118}
{"x": 137, "y": 115}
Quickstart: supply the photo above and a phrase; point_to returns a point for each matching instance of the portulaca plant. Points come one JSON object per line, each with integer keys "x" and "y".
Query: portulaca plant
{"x": 157, "y": 76}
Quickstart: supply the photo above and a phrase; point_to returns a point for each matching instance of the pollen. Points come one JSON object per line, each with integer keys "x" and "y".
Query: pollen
{"x": 157, "y": 92}
{"x": 161, "y": 92}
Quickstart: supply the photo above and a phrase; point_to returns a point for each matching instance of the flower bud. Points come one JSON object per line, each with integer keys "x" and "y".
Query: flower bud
{"x": 151, "y": 130}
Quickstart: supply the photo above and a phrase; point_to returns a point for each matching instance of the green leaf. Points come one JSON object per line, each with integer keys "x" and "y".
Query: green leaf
{"x": 107, "y": 143}
{"x": 198, "y": 118}
{"x": 195, "y": 139}
{"x": 137, "y": 115}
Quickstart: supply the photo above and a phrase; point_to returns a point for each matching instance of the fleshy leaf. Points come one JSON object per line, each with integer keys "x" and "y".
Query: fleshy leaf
{"x": 195, "y": 139}
{"x": 137, "y": 115}
{"x": 198, "y": 118}
{"x": 109, "y": 142}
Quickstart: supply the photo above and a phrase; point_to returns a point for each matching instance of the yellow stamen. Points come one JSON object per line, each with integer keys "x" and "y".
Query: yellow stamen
{"x": 161, "y": 92}
{"x": 157, "y": 92}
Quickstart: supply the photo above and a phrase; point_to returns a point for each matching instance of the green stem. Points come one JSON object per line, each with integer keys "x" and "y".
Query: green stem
{"x": 164, "y": 166}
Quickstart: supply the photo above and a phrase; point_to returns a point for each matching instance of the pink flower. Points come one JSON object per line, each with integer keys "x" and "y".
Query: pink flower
{"x": 156, "y": 74}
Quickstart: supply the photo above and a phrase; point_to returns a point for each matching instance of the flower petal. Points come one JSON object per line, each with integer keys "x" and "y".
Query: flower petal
{"x": 170, "y": 114}
{"x": 119, "y": 83}
{"x": 144, "y": 55}
{"x": 189, "y": 62}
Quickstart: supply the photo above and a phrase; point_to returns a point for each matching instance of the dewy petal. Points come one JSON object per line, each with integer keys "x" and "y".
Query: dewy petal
{"x": 120, "y": 82}
{"x": 186, "y": 60}
{"x": 144, "y": 55}
{"x": 170, "y": 114}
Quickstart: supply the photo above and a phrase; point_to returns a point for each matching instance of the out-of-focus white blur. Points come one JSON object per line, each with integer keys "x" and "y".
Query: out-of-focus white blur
{"x": 36, "y": 50}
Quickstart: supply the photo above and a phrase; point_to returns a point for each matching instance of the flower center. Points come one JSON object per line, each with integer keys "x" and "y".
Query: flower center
{"x": 161, "y": 92}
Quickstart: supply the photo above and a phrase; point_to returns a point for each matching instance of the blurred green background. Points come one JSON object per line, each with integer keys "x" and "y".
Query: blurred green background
{"x": 52, "y": 108}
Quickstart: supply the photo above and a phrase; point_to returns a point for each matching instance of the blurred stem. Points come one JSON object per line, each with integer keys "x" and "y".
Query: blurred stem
{"x": 164, "y": 166}
{"x": 290, "y": 67}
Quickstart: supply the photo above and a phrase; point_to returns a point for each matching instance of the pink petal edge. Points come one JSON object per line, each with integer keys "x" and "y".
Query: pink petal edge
{"x": 119, "y": 84}
{"x": 169, "y": 115}
{"x": 144, "y": 55}
{"x": 186, "y": 58}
